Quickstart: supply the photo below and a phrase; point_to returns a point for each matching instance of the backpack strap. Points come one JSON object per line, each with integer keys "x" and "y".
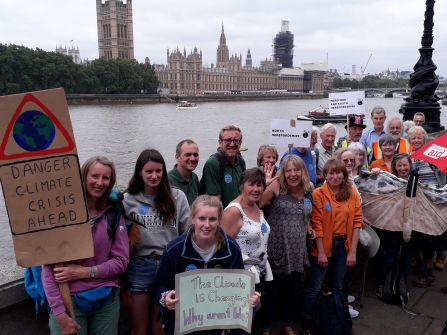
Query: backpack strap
{"x": 113, "y": 215}
{"x": 241, "y": 162}
{"x": 221, "y": 159}
{"x": 317, "y": 156}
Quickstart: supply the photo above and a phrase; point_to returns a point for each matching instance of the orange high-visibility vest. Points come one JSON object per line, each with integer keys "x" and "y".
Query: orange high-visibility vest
{"x": 404, "y": 147}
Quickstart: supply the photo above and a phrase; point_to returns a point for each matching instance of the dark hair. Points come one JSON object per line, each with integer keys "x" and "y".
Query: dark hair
{"x": 396, "y": 158}
{"x": 164, "y": 201}
{"x": 337, "y": 165}
{"x": 178, "y": 148}
{"x": 254, "y": 175}
{"x": 101, "y": 202}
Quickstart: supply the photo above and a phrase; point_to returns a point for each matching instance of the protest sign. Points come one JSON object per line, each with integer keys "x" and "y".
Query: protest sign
{"x": 213, "y": 299}
{"x": 41, "y": 180}
{"x": 290, "y": 133}
{"x": 347, "y": 103}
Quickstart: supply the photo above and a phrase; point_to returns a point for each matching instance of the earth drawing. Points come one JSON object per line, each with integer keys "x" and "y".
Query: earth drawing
{"x": 33, "y": 131}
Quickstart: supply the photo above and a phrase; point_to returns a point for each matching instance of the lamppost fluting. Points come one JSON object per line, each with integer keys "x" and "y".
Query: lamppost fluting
{"x": 423, "y": 81}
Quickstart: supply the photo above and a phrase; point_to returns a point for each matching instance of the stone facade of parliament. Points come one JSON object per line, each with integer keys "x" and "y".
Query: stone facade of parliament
{"x": 184, "y": 74}
{"x": 115, "y": 29}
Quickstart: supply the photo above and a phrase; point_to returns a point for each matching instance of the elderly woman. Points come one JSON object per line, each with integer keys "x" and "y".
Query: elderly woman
{"x": 361, "y": 154}
{"x": 337, "y": 219}
{"x": 244, "y": 221}
{"x": 267, "y": 158}
{"x": 387, "y": 144}
{"x": 291, "y": 204}
{"x": 204, "y": 245}
{"x": 90, "y": 276}
{"x": 417, "y": 137}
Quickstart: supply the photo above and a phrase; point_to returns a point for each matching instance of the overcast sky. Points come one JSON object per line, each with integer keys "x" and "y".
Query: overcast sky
{"x": 348, "y": 31}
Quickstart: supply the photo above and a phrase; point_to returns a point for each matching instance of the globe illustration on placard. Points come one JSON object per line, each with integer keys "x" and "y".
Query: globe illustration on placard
{"x": 33, "y": 131}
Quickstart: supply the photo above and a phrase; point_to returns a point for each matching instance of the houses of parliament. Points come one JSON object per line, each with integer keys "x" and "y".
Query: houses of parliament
{"x": 188, "y": 74}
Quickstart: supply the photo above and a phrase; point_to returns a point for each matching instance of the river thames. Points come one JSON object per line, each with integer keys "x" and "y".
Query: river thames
{"x": 120, "y": 132}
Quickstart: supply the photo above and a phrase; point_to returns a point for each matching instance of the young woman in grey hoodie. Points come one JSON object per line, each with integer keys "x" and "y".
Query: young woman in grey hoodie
{"x": 163, "y": 214}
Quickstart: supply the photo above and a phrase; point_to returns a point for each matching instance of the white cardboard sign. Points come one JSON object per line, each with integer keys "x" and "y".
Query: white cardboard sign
{"x": 286, "y": 132}
{"x": 347, "y": 103}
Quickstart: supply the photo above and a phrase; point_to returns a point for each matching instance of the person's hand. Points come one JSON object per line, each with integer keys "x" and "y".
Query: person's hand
{"x": 171, "y": 300}
{"x": 348, "y": 141}
{"x": 351, "y": 259}
{"x": 310, "y": 233}
{"x": 375, "y": 171}
{"x": 67, "y": 325}
{"x": 71, "y": 272}
{"x": 322, "y": 260}
{"x": 269, "y": 170}
{"x": 253, "y": 301}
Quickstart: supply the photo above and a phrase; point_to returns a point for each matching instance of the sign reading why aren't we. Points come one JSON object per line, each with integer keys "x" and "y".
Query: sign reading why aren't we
{"x": 213, "y": 299}
{"x": 41, "y": 180}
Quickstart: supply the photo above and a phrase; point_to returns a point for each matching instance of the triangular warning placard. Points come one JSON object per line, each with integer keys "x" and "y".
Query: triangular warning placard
{"x": 39, "y": 153}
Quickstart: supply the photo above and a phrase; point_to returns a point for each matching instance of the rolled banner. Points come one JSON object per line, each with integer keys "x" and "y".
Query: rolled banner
{"x": 410, "y": 197}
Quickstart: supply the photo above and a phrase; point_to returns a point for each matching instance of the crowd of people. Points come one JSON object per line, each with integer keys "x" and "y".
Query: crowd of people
{"x": 298, "y": 220}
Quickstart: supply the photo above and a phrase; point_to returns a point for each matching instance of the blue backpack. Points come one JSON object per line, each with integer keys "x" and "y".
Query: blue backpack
{"x": 331, "y": 314}
{"x": 34, "y": 286}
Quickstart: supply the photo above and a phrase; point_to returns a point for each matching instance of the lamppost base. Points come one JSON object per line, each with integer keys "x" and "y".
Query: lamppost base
{"x": 432, "y": 112}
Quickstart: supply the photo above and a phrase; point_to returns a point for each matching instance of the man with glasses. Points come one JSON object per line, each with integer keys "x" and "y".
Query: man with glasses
{"x": 419, "y": 120}
{"x": 224, "y": 183}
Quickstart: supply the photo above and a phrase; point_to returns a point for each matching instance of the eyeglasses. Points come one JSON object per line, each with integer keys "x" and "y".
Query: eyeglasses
{"x": 346, "y": 161}
{"x": 229, "y": 140}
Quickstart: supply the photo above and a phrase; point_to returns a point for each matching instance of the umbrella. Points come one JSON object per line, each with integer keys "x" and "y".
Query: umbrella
{"x": 434, "y": 152}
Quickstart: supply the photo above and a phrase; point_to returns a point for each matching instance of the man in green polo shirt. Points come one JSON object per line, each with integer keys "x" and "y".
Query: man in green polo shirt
{"x": 225, "y": 187}
{"x": 182, "y": 175}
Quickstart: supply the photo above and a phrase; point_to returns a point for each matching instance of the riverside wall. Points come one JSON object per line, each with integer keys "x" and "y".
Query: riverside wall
{"x": 79, "y": 99}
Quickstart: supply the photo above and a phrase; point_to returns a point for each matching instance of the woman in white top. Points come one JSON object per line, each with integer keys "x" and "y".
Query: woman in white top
{"x": 244, "y": 221}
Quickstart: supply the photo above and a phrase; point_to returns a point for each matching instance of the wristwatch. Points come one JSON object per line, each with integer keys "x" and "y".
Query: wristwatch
{"x": 92, "y": 275}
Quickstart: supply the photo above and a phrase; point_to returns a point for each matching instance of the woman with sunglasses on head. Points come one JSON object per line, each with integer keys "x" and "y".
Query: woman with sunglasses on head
{"x": 162, "y": 212}
{"x": 360, "y": 153}
{"x": 205, "y": 245}
{"x": 110, "y": 259}
{"x": 336, "y": 219}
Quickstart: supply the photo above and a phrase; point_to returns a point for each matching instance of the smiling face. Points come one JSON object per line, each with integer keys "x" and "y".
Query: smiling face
{"x": 348, "y": 160}
{"x": 98, "y": 180}
{"x": 269, "y": 158}
{"x": 419, "y": 120}
{"x": 360, "y": 156}
{"x": 252, "y": 191}
{"x": 395, "y": 128}
{"x": 403, "y": 168}
{"x": 328, "y": 138}
{"x": 151, "y": 175}
{"x": 388, "y": 149}
{"x": 189, "y": 157}
{"x": 206, "y": 223}
{"x": 230, "y": 143}
{"x": 416, "y": 140}
{"x": 334, "y": 178}
{"x": 292, "y": 175}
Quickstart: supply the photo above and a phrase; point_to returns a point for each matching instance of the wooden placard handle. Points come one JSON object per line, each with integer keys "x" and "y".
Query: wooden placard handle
{"x": 66, "y": 296}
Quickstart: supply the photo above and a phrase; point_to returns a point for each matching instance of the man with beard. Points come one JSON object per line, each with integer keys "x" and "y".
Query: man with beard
{"x": 395, "y": 128}
{"x": 182, "y": 175}
{"x": 355, "y": 131}
{"x": 224, "y": 183}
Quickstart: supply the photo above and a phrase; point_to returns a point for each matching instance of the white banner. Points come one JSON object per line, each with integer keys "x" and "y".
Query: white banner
{"x": 347, "y": 103}
{"x": 285, "y": 132}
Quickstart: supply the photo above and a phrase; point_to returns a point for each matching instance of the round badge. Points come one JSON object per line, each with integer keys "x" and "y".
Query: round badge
{"x": 143, "y": 210}
{"x": 228, "y": 178}
{"x": 264, "y": 228}
{"x": 310, "y": 167}
{"x": 308, "y": 203}
{"x": 191, "y": 267}
{"x": 327, "y": 206}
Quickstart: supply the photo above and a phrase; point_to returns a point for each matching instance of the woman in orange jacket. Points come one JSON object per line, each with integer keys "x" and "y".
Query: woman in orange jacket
{"x": 336, "y": 219}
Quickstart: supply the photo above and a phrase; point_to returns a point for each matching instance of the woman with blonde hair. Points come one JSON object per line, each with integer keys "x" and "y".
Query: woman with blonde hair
{"x": 336, "y": 219}
{"x": 291, "y": 204}
{"x": 205, "y": 245}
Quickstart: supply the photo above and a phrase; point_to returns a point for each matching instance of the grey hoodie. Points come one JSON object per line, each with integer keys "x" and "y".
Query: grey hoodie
{"x": 154, "y": 236}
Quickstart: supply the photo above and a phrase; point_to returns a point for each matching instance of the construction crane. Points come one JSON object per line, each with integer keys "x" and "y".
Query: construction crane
{"x": 363, "y": 69}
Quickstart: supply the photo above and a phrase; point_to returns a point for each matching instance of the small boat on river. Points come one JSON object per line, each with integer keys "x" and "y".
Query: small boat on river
{"x": 320, "y": 115}
{"x": 187, "y": 105}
